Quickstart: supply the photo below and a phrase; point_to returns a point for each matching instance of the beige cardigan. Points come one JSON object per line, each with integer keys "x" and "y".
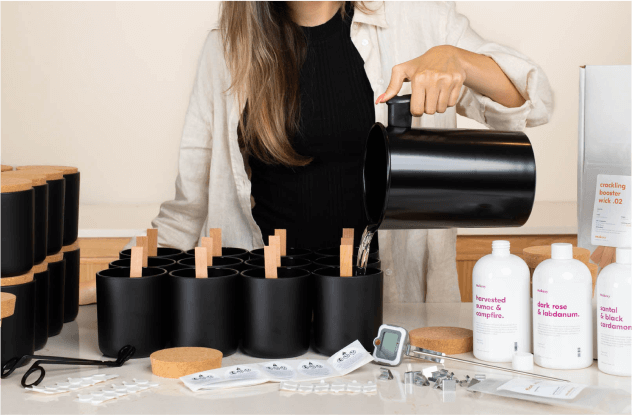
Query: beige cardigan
{"x": 213, "y": 189}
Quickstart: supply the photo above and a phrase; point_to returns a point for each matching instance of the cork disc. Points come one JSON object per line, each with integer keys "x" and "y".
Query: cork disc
{"x": 37, "y": 178}
{"x": 448, "y": 340}
{"x": 54, "y": 258}
{"x": 50, "y": 173}
{"x": 15, "y": 184}
{"x": 7, "y": 301}
{"x": 17, "y": 280}
{"x": 533, "y": 255}
{"x": 72, "y": 247}
{"x": 181, "y": 361}
{"x": 4, "y": 167}
{"x": 63, "y": 169}
{"x": 39, "y": 268}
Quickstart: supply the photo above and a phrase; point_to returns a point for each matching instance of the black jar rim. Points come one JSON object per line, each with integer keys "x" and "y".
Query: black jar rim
{"x": 298, "y": 262}
{"x": 218, "y": 262}
{"x": 218, "y": 273}
{"x": 334, "y": 251}
{"x": 123, "y": 272}
{"x": 227, "y": 252}
{"x": 319, "y": 261}
{"x": 334, "y": 272}
{"x": 289, "y": 252}
{"x": 152, "y": 262}
{"x": 282, "y": 273}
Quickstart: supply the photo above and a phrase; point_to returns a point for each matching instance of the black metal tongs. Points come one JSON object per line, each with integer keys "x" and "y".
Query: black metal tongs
{"x": 124, "y": 355}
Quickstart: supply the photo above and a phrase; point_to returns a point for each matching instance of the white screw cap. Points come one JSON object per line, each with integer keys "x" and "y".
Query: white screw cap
{"x": 522, "y": 361}
{"x": 623, "y": 256}
{"x": 561, "y": 251}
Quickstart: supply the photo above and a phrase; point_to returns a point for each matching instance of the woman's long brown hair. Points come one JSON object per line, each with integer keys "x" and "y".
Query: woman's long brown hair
{"x": 264, "y": 50}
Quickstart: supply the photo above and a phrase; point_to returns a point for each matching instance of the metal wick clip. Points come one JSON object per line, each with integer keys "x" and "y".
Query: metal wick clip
{"x": 438, "y": 357}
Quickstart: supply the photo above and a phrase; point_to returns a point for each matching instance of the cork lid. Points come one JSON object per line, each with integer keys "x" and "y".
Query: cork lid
{"x": 54, "y": 258}
{"x": 533, "y": 255}
{"x": 4, "y": 167}
{"x": 15, "y": 184}
{"x": 50, "y": 173}
{"x": 63, "y": 169}
{"x": 17, "y": 280}
{"x": 37, "y": 178}
{"x": 8, "y": 304}
{"x": 41, "y": 267}
{"x": 448, "y": 340}
{"x": 71, "y": 247}
{"x": 181, "y": 361}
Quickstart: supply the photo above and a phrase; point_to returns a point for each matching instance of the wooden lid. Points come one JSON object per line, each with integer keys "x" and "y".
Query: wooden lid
{"x": 50, "y": 173}
{"x": 37, "y": 178}
{"x": 533, "y": 255}
{"x": 64, "y": 169}
{"x": 55, "y": 257}
{"x": 41, "y": 267}
{"x": 71, "y": 247}
{"x": 4, "y": 167}
{"x": 7, "y": 301}
{"x": 15, "y": 184}
{"x": 181, "y": 361}
{"x": 17, "y": 280}
{"x": 448, "y": 340}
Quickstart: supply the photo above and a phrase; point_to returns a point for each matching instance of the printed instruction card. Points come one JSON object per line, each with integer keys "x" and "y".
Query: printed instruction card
{"x": 611, "y": 213}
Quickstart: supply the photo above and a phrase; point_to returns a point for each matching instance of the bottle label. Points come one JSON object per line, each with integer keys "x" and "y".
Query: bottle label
{"x": 562, "y": 324}
{"x": 501, "y": 318}
{"x": 614, "y": 327}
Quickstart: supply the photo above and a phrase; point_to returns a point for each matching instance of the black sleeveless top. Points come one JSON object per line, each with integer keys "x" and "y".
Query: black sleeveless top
{"x": 314, "y": 203}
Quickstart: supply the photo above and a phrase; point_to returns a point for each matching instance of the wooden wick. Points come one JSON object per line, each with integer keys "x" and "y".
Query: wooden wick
{"x": 346, "y": 259}
{"x": 201, "y": 270}
{"x": 270, "y": 261}
{"x": 143, "y": 242}
{"x": 208, "y": 244}
{"x": 348, "y": 233}
{"x": 282, "y": 234}
{"x": 346, "y": 241}
{"x": 152, "y": 242}
{"x": 216, "y": 234}
{"x": 275, "y": 241}
{"x": 136, "y": 262}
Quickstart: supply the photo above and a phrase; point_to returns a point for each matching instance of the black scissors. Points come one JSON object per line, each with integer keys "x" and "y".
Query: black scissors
{"x": 124, "y": 355}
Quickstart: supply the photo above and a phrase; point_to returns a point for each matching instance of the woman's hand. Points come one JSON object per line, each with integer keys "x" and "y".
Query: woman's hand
{"x": 438, "y": 75}
{"x": 436, "y": 79}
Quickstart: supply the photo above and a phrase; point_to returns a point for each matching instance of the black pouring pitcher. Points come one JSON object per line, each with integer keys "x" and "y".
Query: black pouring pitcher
{"x": 445, "y": 178}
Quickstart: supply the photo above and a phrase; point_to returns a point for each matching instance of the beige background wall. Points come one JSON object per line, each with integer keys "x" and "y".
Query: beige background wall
{"x": 104, "y": 86}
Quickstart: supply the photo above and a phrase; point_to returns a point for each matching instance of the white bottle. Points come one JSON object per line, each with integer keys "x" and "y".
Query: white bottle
{"x": 614, "y": 315}
{"x": 562, "y": 311}
{"x": 502, "y": 306}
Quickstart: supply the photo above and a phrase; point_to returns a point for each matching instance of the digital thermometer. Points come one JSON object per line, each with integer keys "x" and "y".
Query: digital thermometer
{"x": 392, "y": 344}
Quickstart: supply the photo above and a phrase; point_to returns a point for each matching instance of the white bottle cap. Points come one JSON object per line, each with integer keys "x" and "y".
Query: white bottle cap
{"x": 500, "y": 248}
{"x": 522, "y": 361}
{"x": 561, "y": 251}
{"x": 623, "y": 255}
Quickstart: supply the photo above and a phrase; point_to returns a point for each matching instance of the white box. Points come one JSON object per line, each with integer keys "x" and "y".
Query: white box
{"x": 604, "y": 136}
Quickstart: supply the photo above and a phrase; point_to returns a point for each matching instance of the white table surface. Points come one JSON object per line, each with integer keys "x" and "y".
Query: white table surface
{"x": 79, "y": 338}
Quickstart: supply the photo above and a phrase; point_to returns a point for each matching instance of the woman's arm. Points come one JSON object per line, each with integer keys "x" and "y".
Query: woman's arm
{"x": 438, "y": 75}
{"x": 490, "y": 83}
{"x": 180, "y": 220}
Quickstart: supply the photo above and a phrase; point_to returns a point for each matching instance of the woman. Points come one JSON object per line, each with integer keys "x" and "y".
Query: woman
{"x": 283, "y": 99}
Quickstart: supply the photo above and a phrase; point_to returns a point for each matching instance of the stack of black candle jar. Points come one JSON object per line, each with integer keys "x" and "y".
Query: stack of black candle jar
{"x": 235, "y": 304}
{"x": 40, "y": 257}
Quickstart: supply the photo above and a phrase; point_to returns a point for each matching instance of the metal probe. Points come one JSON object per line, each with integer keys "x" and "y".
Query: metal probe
{"x": 438, "y": 357}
